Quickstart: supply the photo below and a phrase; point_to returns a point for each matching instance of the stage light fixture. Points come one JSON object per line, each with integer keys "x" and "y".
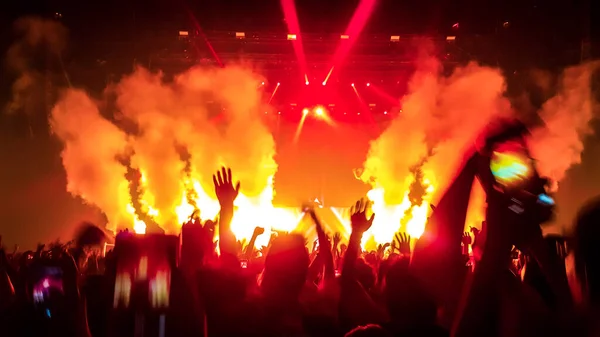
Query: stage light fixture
{"x": 263, "y": 83}
{"x": 240, "y": 35}
{"x": 395, "y": 38}
{"x": 319, "y": 111}
{"x": 368, "y": 84}
{"x": 450, "y": 38}
{"x": 305, "y": 111}
{"x": 344, "y": 37}
{"x": 184, "y": 33}
{"x": 352, "y": 85}
{"x": 324, "y": 83}
{"x": 291, "y": 37}
{"x": 278, "y": 84}
{"x": 385, "y": 112}
{"x": 307, "y": 83}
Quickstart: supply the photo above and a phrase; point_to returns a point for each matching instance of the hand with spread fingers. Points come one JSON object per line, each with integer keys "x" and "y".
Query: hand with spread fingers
{"x": 403, "y": 241}
{"x": 224, "y": 188}
{"x": 358, "y": 219}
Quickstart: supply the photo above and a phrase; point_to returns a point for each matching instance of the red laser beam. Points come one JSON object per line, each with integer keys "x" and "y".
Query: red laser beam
{"x": 357, "y": 23}
{"x": 291, "y": 18}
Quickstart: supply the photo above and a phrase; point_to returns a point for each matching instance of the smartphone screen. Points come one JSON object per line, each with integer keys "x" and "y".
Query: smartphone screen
{"x": 545, "y": 199}
{"x": 143, "y": 278}
{"x": 47, "y": 287}
{"x": 510, "y": 165}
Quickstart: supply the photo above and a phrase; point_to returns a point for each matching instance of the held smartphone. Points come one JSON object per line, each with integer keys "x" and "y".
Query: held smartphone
{"x": 143, "y": 276}
{"x": 515, "y": 175}
{"x": 511, "y": 165}
{"x": 47, "y": 287}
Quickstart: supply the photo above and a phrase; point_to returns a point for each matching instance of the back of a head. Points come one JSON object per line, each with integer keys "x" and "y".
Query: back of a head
{"x": 370, "y": 330}
{"x": 286, "y": 265}
{"x": 587, "y": 248}
{"x": 406, "y": 299}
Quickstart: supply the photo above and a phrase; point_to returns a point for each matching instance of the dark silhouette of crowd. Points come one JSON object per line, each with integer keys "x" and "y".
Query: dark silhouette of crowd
{"x": 504, "y": 279}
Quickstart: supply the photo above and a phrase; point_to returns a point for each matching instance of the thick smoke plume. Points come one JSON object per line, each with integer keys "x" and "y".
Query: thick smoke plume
{"x": 442, "y": 116}
{"x": 184, "y": 130}
{"x": 92, "y": 145}
{"x": 32, "y": 59}
{"x": 566, "y": 116}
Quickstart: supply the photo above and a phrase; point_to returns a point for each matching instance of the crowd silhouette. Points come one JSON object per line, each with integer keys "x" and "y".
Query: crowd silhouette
{"x": 504, "y": 279}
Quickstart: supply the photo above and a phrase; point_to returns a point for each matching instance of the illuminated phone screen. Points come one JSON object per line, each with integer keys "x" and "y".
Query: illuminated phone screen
{"x": 143, "y": 276}
{"x": 545, "y": 199}
{"x": 49, "y": 280}
{"x": 510, "y": 165}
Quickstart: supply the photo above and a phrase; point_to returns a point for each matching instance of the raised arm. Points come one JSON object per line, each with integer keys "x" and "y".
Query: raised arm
{"x": 226, "y": 194}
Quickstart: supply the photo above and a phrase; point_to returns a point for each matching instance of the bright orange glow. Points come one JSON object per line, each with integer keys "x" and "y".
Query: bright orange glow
{"x": 305, "y": 111}
{"x": 319, "y": 111}
{"x": 403, "y": 217}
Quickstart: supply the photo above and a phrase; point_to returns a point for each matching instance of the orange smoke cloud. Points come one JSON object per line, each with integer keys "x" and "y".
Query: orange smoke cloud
{"x": 441, "y": 116}
{"x": 559, "y": 143}
{"x": 157, "y": 121}
{"x": 32, "y": 91}
{"x": 91, "y": 147}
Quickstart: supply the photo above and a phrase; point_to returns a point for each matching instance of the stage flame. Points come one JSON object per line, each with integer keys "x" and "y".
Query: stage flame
{"x": 152, "y": 167}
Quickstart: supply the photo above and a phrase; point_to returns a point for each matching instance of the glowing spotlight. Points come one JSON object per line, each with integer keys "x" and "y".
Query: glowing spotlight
{"x": 307, "y": 83}
{"x": 319, "y": 111}
{"x": 305, "y": 111}
{"x": 352, "y": 84}
{"x": 263, "y": 83}
{"x": 385, "y": 112}
{"x": 368, "y": 84}
{"x": 279, "y": 112}
{"x": 278, "y": 84}
{"x": 324, "y": 83}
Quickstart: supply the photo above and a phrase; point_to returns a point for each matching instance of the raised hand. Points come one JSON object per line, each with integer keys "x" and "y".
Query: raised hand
{"x": 466, "y": 239}
{"x": 403, "y": 241}
{"x": 258, "y": 231}
{"x": 337, "y": 237}
{"x": 381, "y": 250}
{"x": 226, "y": 192}
{"x": 475, "y": 231}
{"x": 358, "y": 219}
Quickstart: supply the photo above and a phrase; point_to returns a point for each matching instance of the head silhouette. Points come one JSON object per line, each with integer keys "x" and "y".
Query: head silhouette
{"x": 286, "y": 267}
